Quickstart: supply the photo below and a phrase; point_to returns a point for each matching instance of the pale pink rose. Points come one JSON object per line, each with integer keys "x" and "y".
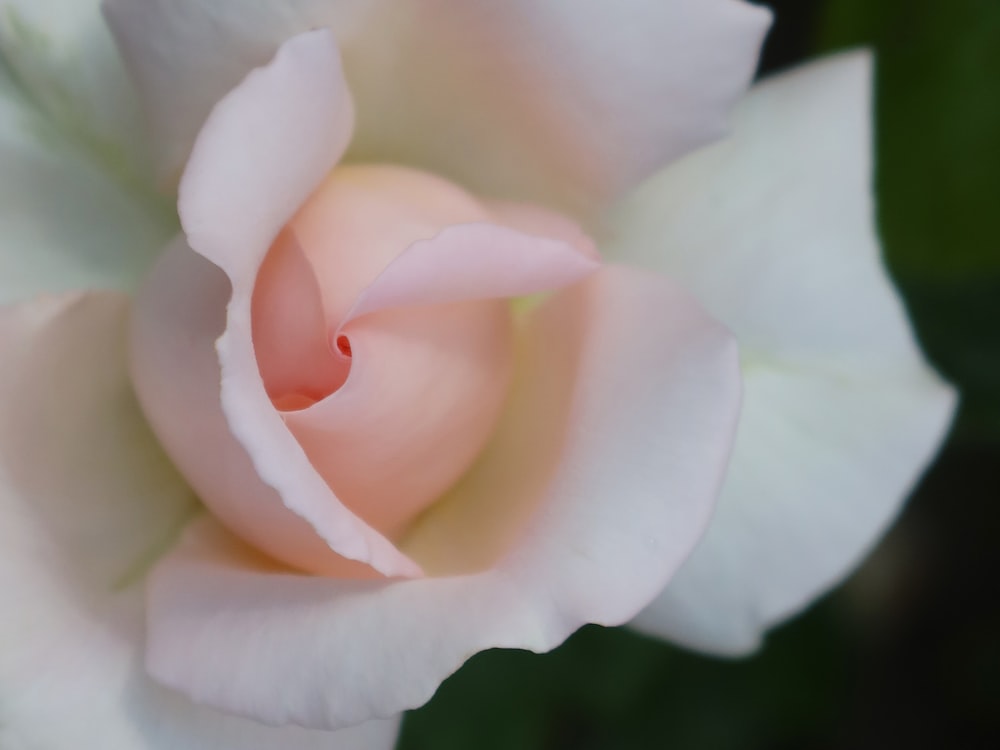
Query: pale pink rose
{"x": 400, "y": 467}
{"x": 457, "y": 477}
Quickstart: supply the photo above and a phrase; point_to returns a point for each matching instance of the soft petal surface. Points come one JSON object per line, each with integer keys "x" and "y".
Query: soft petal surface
{"x": 180, "y": 313}
{"x": 88, "y": 502}
{"x": 432, "y": 377}
{"x": 774, "y": 231}
{"x": 471, "y": 262}
{"x": 290, "y": 335}
{"x": 268, "y": 144}
{"x": 64, "y": 61}
{"x": 71, "y": 217}
{"x": 603, "y": 476}
{"x": 420, "y": 306}
{"x": 561, "y": 101}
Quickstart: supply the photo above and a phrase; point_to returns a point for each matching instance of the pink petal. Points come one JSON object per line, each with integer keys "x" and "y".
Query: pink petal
{"x": 427, "y": 383}
{"x": 423, "y": 396}
{"x": 532, "y": 219}
{"x": 179, "y": 314}
{"x": 426, "y": 389}
{"x": 290, "y": 337}
{"x": 565, "y": 102}
{"x": 610, "y": 460}
{"x": 266, "y": 147}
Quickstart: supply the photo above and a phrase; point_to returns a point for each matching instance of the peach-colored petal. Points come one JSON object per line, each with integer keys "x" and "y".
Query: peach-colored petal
{"x": 290, "y": 336}
{"x": 424, "y": 393}
{"x": 362, "y": 217}
{"x": 564, "y": 102}
{"x": 640, "y": 389}
{"x": 265, "y": 148}
{"x": 416, "y": 313}
{"x": 427, "y": 383}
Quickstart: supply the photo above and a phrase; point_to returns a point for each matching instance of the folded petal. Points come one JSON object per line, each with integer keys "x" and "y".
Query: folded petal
{"x": 67, "y": 219}
{"x": 87, "y": 503}
{"x": 353, "y": 468}
{"x": 561, "y": 101}
{"x": 180, "y": 313}
{"x": 597, "y": 485}
{"x": 268, "y": 144}
{"x": 773, "y": 230}
{"x": 473, "y": 262}
{"x": 430, "y": 342}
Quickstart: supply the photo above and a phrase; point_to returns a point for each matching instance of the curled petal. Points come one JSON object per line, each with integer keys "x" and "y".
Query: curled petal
{"x": 267, "y": 145}
{"x": 179, "y": 314}
{"x": 430, "y": 346}
{"x": 363, "y": 464}
{"x": 597, "y": 485}
{"x": 473, "y": 261}
{"x": 265, "y": 148}
{"x": 289, "y": 329}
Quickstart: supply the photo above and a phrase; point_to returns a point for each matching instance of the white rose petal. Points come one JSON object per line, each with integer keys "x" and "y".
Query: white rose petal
{"x": 774, "y": 231}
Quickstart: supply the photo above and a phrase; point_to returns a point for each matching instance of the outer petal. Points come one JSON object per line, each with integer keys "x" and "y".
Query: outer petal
{"x": 561, "y": 101}
{"x": 87, "y": 502}
{"x": 774, "y": 231}
{"x": 63, "y": 59}
{"x": 604, "y": 473}
{"x": 65, "y": 221}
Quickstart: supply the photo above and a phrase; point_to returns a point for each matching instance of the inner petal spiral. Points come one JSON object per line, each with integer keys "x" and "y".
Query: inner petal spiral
{"x": 393, "y": 406}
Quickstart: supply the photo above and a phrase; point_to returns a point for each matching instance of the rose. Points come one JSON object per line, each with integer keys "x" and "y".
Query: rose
{"x": 327, "y": 454}
{"x": 861, "y": 365}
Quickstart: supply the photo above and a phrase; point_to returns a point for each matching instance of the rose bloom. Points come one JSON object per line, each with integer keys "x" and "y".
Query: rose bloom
{"x": 441, "y": 350}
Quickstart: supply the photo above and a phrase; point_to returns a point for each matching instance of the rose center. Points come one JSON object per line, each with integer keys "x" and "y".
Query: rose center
{"x": 344, "y": 345}
{"x": 393, "y": 406}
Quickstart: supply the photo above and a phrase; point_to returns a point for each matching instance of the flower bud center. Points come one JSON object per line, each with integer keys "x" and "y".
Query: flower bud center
{"x": 393, "y": 406}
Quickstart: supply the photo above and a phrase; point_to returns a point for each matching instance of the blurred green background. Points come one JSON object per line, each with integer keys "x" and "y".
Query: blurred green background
{"x": 907, "y": 653}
